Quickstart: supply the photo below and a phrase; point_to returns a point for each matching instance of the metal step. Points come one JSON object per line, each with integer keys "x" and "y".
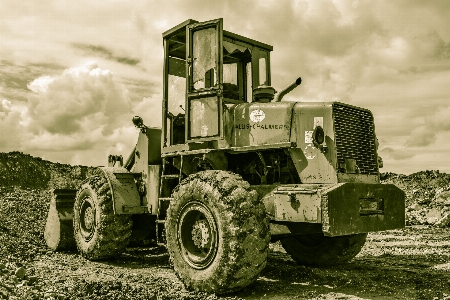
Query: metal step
{"x": 161, "y": 221}
{"x": 171, "y": 176}
{"x": 165, "y": 198}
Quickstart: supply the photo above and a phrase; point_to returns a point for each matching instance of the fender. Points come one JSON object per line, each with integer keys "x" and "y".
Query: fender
{"x": 124, "y": 193}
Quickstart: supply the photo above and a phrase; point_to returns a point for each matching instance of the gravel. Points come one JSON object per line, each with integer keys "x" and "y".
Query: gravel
{"x": 28, "y": 270}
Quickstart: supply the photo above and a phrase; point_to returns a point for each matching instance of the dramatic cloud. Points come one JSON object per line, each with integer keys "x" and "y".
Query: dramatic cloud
{"x": 81, "y": 99}
{"x": 434, "y": 124}
{"x": 150, "y": 109}
{"x": 106, "y": 53}
{"x": 79, "y": 116}
{"x": 396, "y": 154}
{"x": 392, "y": 57}
{"x": 12, "y": 125}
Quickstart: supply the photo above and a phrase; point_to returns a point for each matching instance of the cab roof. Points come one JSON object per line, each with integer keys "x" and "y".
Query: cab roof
{"x": 180, "y": 28}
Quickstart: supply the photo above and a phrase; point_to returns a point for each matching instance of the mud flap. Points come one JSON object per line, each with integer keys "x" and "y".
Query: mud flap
{"x": 58, "y": 232}
{"x": 357, "y": 207}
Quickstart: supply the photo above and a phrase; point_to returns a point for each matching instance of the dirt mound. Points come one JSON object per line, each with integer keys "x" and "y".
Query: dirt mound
{"x": 24, "y": 170}
{"x": 427, "y": 196}
{"x": 26, "y": 185}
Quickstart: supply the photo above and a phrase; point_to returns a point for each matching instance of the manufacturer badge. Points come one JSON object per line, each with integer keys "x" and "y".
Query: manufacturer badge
{"x": 257, "y": 115}
{"x": 310, "y": 152}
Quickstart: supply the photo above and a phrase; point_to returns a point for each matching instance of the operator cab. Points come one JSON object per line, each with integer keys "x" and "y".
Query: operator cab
{"x": 206, "y": 70}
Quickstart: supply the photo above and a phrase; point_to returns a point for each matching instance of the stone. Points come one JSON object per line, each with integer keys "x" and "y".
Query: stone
{"x": 444, "y": 221}
{"x": 433, "y": 216}
{"x": 416, "y": 206}
{"x": 443, "y": 197}
{"x": 4, "y": 294}
{"x": 20, "y": 273}
{"x": 32, "y": 279}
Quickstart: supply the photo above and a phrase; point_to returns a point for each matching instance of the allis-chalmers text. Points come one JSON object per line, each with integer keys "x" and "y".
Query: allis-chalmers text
{"x": 261, "y": 126}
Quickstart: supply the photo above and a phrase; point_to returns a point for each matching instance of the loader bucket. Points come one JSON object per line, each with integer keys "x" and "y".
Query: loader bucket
{"x": 59, "y": 227}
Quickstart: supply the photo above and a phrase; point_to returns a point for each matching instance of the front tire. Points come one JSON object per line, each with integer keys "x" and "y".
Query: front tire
{"x": 99, "y": 233}
{"x": 320, "y": 250}
{"x": 217, "y": 232}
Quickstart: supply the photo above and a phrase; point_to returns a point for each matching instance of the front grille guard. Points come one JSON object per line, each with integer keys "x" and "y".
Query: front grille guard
{"x": 355, "y": 139}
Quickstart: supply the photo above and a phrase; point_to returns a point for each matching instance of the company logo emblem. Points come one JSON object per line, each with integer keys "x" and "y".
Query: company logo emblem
{"x": 310, "y": 152}
{"x": 257, "y": 115}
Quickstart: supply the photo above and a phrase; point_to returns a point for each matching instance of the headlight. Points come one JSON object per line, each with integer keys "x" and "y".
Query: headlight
{"x": 318, "y": 135}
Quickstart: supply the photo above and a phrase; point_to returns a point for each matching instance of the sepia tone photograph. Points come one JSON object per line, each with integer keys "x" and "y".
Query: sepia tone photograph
{"x": 252, "y": 149}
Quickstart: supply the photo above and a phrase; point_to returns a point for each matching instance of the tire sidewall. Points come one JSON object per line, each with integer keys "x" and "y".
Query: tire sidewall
{"x": 177, "y": 260}
{"x": 324, "y": 251}
{"x": 242, "y": 227}
{"x": 86, "y": 247}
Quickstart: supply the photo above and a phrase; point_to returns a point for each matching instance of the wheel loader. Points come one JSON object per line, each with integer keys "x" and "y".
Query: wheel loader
{"x": 232, "y": 169}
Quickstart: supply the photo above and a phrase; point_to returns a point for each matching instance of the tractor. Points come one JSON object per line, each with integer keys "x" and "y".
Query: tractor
{"x": 232, "y": 169}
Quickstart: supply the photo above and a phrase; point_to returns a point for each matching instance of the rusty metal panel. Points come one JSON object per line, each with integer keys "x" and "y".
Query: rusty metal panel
{"x": 313, "y": 165}
{"x": 295, "y": 203}
{"x": 297, "y": 208}
{"x": 349, "y": 208}
{"x": 147, "y": 151}
{"x": 154, "y": 145}
{"x": 361, "y": 178}
{"x": 148, "y": 148}
{"x": 153, "y": 182}
{"x": 261, "y": 124}
{"x": 141, "y": 158}
{"x": 123, "y": 190}
{"x": 141, "y": 154}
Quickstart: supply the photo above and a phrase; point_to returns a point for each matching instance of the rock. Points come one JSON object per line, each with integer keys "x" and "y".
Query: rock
{"x": 32, "y": 279}
{"x": 4, "y": 294}
{"x": 443, "y": 197}
{"x": 433, "y": 216}
{"x": 20, "y": 273}
{"x": 416, "y": 206}
{"x": 444, "y": 221}
{"x": 21, "y": 284}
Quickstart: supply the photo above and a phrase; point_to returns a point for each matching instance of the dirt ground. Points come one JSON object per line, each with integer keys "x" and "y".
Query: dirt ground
{"x": 413, "y": 263}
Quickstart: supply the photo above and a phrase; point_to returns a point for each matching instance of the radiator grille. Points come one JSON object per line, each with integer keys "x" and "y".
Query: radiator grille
{"x": 355, "y": 138}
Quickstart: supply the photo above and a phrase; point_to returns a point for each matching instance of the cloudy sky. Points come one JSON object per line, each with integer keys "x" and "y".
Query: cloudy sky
{"x": 73, "y": 73}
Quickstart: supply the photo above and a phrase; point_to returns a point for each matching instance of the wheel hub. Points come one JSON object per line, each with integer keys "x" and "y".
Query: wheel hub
{"x": 200, "y": 234}
{"x": 89, "y": 218}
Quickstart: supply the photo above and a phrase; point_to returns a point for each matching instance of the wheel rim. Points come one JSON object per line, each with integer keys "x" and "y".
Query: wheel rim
{"x": 87, "y": 219}
{"x": 197, "y": 235}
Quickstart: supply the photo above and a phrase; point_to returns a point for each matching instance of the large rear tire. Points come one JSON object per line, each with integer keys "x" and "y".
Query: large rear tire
{"x": 99, "y": 233}
{"x": 217, "y": 232}
{"x": 320, "y": 250}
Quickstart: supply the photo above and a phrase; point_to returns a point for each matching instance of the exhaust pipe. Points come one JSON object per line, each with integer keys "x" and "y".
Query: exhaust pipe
{"x": 292, "y": 86}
